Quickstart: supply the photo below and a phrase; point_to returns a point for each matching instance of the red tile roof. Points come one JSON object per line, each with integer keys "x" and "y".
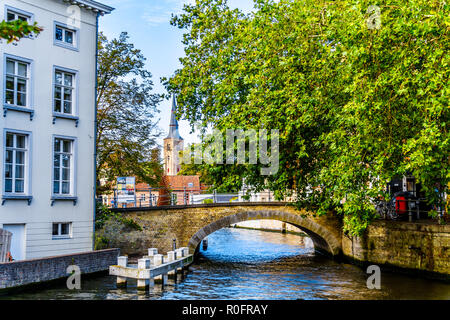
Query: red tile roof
{"x": 181, "y": 182}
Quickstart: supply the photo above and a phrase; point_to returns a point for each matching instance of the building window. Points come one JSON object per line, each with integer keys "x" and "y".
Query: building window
{"x": 17, "y": 83}
{"x": 65, "y": 36}
{"x": 12, "y": 15}
{"x": 16, "y": 166}
{"x": 62, "y": 230}
{"x": 63, "y": 167}
{"x": 64, "y": 87}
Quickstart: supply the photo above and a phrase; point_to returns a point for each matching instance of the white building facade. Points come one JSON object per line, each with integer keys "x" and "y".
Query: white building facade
{"x": 47, "y": 128}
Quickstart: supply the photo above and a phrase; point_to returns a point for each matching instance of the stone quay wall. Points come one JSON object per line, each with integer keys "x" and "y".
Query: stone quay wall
{"x": 411, "y": 246}
{"x": 22, "y": 273}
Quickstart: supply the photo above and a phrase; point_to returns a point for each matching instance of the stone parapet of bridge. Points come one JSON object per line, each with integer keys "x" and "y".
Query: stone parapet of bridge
{"x": 189, "y": 225}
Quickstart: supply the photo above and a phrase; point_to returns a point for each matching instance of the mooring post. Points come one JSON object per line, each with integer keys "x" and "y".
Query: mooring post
{"x": 179, "y": 255}
{"x": 143, "y": 284}
{"x": 158, "y": 259}
{"x": 172, "y": 256}
{"x": 122, "y": 262}
{"x": 418, "y": 209}
{"x": 185, "y": 251}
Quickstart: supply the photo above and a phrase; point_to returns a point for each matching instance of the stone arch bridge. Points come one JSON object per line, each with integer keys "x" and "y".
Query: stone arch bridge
{"x": 190, "y": 224}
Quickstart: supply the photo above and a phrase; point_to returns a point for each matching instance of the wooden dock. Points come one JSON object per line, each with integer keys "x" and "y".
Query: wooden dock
{"x": 152, "y": 267}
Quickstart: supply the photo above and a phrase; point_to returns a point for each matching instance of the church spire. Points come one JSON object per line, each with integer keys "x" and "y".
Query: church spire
{"x": 173, "y": 127}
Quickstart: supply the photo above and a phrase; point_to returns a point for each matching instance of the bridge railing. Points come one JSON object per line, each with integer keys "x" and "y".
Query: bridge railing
{"x": 156, "y": 197}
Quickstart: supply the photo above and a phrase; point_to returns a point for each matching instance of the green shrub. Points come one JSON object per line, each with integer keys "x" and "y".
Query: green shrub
{"x": 208, "y": 201}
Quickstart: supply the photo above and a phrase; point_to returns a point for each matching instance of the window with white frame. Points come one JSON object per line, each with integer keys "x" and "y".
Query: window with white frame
{"x": 64, "y": 35}
{"x": 17, "y": 83}
{"x": 16, "y": 166}
{"x": 63, "y": 163}
{"x": 12, "y": 15}
{"x": 62, "y": 230}
{"x": 64, "y": 89}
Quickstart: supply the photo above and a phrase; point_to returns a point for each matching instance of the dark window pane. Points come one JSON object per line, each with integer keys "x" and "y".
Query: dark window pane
{"x": 59, "y": 34}
{"x": 69, "y": 37}
{"x": 57, "y": 145}
{"x": 68, "y": 80}
{"x": 19, "y": 186}
{"x": 65, "y": 188}
{"x": 9, "y": 83}
{"x": 57, "y": 105}
{"x": 23, "y": 69}
{"x": 11, "y": 16}
{"x": 65, "y": 161}
{"x": 9, "y": 97}
{"x": 8, "y": 185}
{"x": 68, "y": 94}
{"x": 20, "y": 171}
{"x": 20, "y": 157}
{"x": 21, "y": 99}
{"x": 66, "y": 146}
{"x": 56, "y": 187}
{"x": 9, "y": 156}
{"x": 21, "y": 85}
{"x": 65, "y": 174}
{"x": 67, "y": 107}
{"x": 56, "y": 174}
{"x": 64, "y": 229}
{"x": 20, "y": 142}
{"x": 58, "y": 92}
{"x": 56, "y": 161}
{"x": 9, "y": 140}
{"x": 55, "y": 229}
{"x": 8, "y": 171}
{"x": 10, "y": 67}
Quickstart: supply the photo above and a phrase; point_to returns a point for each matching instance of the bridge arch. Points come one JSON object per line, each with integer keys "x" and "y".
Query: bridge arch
{"x": 323, "y": 238}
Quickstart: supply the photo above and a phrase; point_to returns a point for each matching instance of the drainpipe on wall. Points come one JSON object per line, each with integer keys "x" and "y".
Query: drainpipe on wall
{"x": 95, "y": 132}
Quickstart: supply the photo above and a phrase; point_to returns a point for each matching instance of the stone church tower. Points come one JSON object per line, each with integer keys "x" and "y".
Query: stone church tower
{"x": 173, "y": 144}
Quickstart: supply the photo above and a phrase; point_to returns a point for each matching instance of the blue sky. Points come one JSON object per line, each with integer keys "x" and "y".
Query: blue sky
{"x": 147, "y": 23}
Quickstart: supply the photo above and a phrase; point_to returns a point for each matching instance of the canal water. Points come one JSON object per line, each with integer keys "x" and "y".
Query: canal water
{"x": 250, "y": 264}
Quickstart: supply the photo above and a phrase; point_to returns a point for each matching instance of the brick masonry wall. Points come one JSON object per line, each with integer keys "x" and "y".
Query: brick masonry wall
{"x": 424, "y": 247}
{"x": 20, "y": 273}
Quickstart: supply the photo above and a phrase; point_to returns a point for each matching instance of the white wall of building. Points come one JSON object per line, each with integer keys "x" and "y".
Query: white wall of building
{"x": 38, "y": 217}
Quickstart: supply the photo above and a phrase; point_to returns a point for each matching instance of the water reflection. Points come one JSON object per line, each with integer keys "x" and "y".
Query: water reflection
{"x": 249, "y": 264}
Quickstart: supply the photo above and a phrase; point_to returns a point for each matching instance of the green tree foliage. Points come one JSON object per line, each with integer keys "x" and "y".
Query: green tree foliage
{"x": 17, "y": 29}
{"x": 127, "y": 127}
{"x": 355, "y": 104}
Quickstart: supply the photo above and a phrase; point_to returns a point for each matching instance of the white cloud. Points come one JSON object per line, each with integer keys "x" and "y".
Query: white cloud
{"x": 161, "y": 12}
